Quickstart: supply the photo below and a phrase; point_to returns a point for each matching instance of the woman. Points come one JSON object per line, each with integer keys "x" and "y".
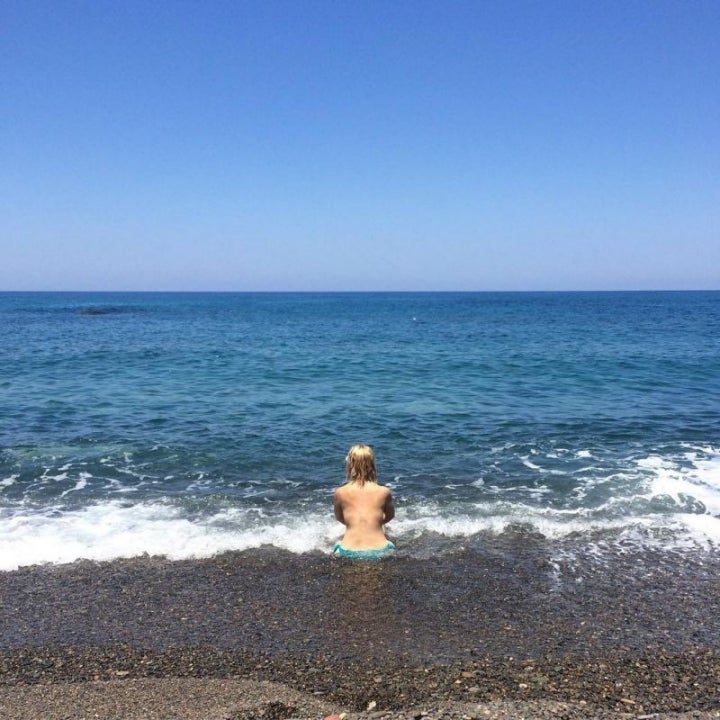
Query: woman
{"x": 363, "y": 506}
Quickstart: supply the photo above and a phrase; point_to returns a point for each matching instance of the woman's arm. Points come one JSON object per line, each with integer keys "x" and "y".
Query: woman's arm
{"x": 388, "y": 508}
{"x": 337, "y": 506}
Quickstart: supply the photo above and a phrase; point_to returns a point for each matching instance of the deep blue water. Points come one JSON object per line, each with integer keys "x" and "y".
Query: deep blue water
{"x": 185, "y": 424}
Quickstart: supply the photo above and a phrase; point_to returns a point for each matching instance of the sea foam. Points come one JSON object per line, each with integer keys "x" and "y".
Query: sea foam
{"x": 112, "y": 530}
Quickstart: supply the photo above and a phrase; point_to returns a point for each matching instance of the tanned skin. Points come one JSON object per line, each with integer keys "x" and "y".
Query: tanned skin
{"x": 364, "y": 508}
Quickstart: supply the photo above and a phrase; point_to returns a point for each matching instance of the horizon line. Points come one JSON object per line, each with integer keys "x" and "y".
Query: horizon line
{"x": 360, "y": 292}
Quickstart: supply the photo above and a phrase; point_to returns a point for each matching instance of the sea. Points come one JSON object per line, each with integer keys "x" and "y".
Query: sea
{"x": 190, "y": 424}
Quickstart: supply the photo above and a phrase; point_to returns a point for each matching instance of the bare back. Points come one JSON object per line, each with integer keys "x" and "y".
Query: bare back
{"x": 364, "y": 509}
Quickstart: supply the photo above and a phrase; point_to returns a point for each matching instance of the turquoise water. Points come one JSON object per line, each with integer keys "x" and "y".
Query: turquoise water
{"x": 187, "y": 424}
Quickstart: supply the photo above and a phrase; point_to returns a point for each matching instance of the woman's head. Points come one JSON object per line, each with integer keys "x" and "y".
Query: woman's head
{"x": 360, "y": 464}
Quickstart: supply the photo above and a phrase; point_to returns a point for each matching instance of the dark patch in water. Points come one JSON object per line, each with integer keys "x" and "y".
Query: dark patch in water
{"x": 92, "y": 311}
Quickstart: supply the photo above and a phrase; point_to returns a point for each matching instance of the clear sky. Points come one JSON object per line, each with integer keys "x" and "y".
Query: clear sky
{"x": 359, "y": 145}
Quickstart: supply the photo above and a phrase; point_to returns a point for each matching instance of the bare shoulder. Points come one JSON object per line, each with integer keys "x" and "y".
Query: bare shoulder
{"x": 341, "y": 493}
{"x": 386, "y": 492}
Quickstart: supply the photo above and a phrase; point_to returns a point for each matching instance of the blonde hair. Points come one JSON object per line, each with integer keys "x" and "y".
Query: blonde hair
{"x": 360, "y": 464}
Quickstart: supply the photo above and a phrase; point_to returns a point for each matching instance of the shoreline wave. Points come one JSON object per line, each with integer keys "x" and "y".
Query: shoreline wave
{"x": 115, "y": 530}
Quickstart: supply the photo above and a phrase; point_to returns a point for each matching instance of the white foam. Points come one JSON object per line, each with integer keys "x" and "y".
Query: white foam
{"x": 691, "y": 481}
{"x": 498, "y": 518}
{"x": 699, "y": 479}
{"x": 113, "y": 530}
{"x": 654, "y": 462}
{"x": 8, "y": 481}
{"x": 118, "y": 530}
{"x": 705, "y": 526}
{"x": 58, "y": 478}
{"x": 80, "y": 484}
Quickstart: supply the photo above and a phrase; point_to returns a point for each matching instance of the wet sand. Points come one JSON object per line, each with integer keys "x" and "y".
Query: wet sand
{"x": 477, "y": 634}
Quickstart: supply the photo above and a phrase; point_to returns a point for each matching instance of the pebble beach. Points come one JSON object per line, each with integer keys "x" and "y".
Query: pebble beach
{"x": 274, "y": 635}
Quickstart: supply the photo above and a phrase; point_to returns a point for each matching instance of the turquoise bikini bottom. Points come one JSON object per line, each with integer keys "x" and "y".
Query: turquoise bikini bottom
{"x": 375, "y": 554}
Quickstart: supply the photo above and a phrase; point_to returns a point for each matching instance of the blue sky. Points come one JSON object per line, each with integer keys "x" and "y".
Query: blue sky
{"x": 348, "y": 145}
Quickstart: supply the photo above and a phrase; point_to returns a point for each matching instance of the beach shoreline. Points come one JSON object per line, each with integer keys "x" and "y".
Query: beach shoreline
{"x": 468, "y": 636}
